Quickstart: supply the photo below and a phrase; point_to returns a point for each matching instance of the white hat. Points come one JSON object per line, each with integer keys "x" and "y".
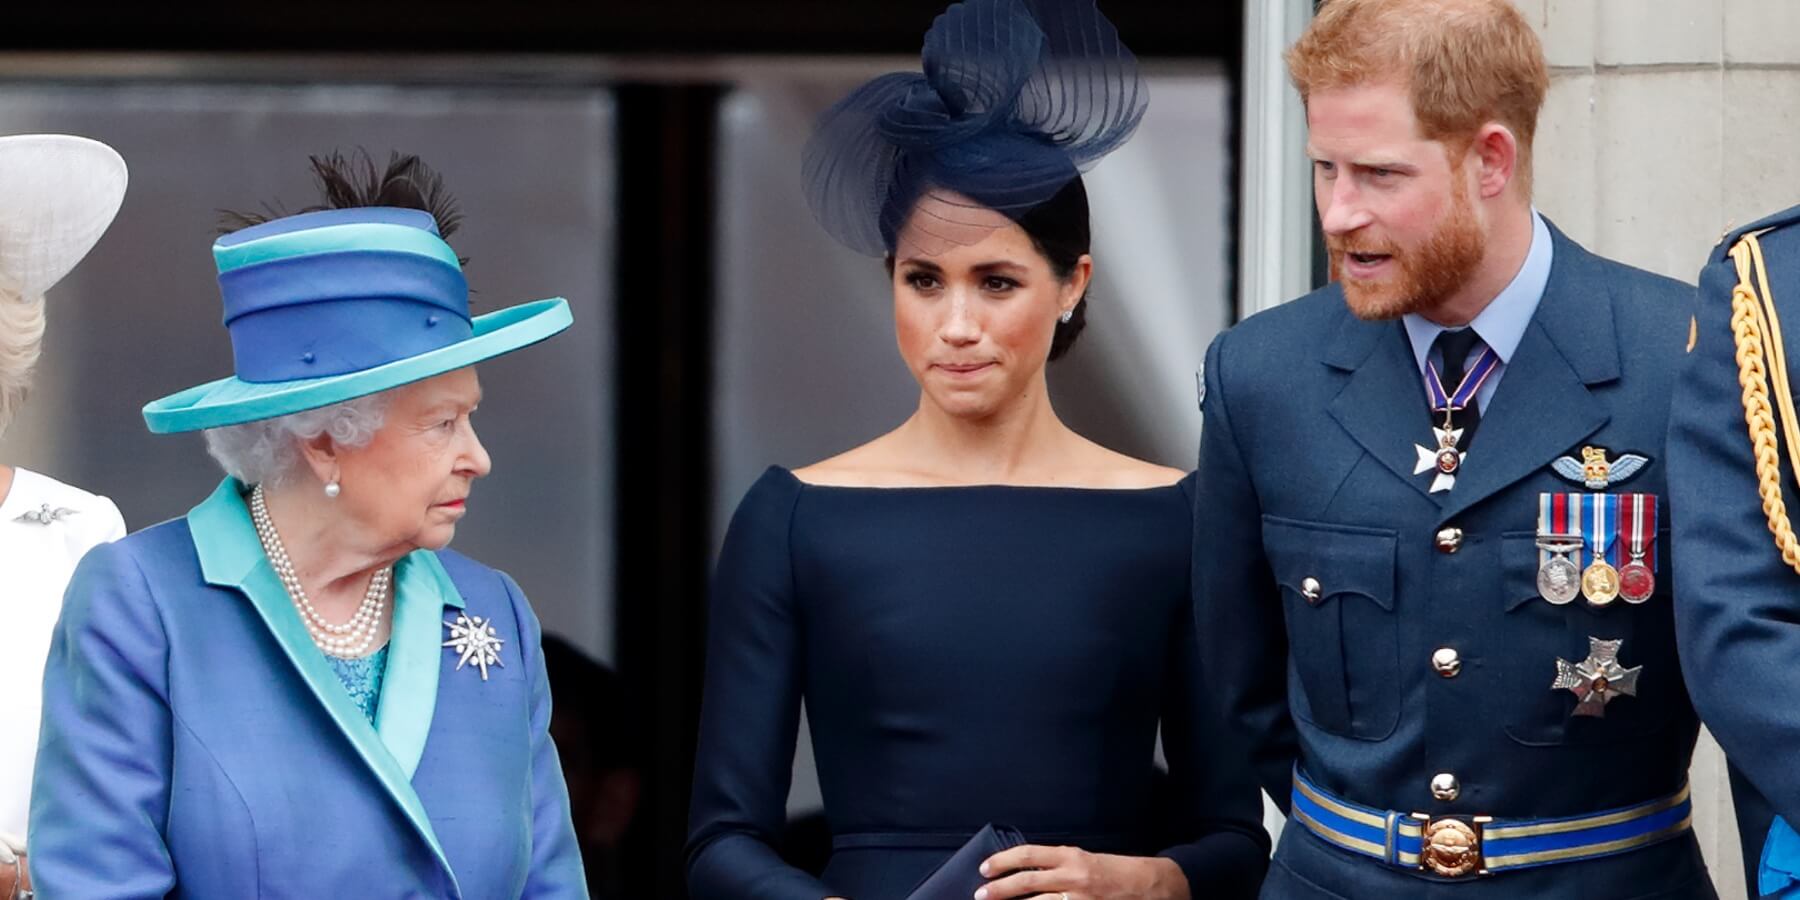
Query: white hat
{"x": 58, "y": 193}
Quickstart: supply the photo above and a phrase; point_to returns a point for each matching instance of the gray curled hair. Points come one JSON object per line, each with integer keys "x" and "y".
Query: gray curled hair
{"x": 268, "y": 451}
{"x": 21, "y": 343}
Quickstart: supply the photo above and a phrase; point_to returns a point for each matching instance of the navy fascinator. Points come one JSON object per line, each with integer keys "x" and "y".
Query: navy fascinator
{"x": 1015, "y": 99}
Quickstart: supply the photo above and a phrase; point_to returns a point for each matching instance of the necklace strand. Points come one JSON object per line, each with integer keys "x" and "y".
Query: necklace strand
{"x": 349, "y": 640}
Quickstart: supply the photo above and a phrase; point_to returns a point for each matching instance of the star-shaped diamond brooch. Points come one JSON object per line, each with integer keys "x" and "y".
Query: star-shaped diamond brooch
{"x": 1597, "y": 679}
{"x": 475, "y": 640}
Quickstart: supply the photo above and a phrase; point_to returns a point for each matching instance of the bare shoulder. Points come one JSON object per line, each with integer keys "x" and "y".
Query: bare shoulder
{"x": 1111, "y": 469}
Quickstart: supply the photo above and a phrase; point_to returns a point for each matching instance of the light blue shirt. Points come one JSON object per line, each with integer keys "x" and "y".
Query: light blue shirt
{"x": 1502, "y": 324}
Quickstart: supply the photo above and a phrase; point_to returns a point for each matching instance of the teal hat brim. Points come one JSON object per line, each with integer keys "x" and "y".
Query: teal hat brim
{"x": 233, "y": 401}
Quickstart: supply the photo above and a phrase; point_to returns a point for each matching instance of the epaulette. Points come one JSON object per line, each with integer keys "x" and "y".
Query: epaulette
{"x": 1785, "y": 218}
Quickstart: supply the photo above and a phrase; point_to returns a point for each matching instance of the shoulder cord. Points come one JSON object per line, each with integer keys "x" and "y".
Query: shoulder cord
{"x": 1757, "y": 329}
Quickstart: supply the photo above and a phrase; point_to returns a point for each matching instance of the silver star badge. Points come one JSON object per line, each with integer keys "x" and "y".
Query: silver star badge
{"x": 1597, "y": 679}
{"x": 476, "y": 642}
{"x": 45, "y": 515}
{"x": 1431, "y": 458}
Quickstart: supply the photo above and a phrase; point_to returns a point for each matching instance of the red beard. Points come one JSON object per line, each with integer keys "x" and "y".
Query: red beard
{"x": 1423, "y": 277}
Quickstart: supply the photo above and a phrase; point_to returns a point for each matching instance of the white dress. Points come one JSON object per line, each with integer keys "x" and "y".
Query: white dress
{"x": 36, "y": 560}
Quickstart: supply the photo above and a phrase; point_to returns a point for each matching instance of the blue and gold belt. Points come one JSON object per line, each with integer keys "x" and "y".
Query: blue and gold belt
{"x": 1458, "y": 846}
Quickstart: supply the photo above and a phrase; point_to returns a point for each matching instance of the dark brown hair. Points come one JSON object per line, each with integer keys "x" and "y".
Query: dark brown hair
{"x": 1061, "y": 232}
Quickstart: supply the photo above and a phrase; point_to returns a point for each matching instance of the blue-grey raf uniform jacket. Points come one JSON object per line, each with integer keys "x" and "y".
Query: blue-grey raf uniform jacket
{"x": 1737, "y": 609}
{"x": 1380, "y": 637}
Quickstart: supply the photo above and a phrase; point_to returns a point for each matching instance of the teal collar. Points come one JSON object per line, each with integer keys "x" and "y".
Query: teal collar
{"x": 422, "y": 590}
{"x": 232, "y": 556}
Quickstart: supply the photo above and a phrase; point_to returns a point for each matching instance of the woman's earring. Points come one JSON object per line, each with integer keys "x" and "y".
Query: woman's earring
{"x": 332, "y": 489}
{"x": 1068, "y": 316}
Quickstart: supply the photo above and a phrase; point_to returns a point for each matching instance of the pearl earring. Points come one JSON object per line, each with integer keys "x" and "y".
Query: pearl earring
{"x": 1067, "y": 316}
{"x": 333, "y": 489}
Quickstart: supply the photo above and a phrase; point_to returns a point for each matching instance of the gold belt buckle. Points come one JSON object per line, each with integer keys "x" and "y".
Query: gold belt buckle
{"x": 1451, "y": 846}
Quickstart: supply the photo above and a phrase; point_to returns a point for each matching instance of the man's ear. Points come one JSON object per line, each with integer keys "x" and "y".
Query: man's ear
{"x": 1496, "y": 153}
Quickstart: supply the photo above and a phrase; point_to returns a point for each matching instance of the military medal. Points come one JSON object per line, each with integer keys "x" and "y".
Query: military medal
{"x": 1637, "y": 529}
{"x": 1600, "y": 582}
{"x": 1596, "y": 680}
{"x": 1445, "y": 459}
{"x": 1558, "y": 577}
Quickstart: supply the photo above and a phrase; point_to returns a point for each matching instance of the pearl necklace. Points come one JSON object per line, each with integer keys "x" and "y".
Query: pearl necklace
{"x": 349, "y": 640}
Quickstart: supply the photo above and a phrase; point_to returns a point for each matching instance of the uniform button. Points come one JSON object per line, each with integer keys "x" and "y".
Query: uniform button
{"x": 1447, "y": 662}
{"x": 1444, "y": 787}
{"x": 1311, "y": 589}
{"x": 1449, "y": 540}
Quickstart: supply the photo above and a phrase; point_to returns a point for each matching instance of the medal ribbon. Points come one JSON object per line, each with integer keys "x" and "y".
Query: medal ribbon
{"x": 1546, "y": 524}
{"x": 1553, "y": 520}
{"x": 1637, "y": 528}
{"x": 1600, "y": 519}
{"x": 1442, "y": 401}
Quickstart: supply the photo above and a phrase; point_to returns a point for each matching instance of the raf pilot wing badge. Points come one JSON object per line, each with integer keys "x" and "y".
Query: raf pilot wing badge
{"x": 1595, "y": 472}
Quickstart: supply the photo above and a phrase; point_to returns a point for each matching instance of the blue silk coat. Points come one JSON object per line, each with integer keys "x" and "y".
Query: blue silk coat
{"x": 197, "y": 744}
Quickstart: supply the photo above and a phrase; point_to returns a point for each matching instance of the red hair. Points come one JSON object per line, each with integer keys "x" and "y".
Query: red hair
{"x": 1465, "y": 63}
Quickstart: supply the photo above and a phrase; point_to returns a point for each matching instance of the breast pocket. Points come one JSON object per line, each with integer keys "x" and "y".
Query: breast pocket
{"x": 1337, "y": 590}
{"x": 1535, "y": 633}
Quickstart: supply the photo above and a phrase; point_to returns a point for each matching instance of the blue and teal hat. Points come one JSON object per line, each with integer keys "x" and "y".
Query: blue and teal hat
{"x": 329, "y": 306}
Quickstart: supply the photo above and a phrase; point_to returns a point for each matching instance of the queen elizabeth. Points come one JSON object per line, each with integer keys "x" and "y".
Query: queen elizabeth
{"x": 295, "y": 689}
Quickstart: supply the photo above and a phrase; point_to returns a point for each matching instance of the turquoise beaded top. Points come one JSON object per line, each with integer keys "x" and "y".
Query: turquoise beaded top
{"x": 362, "y": 678}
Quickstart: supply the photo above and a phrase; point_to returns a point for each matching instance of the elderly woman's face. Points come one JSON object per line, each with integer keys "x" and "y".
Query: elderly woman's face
{"x": 408, "y": 486}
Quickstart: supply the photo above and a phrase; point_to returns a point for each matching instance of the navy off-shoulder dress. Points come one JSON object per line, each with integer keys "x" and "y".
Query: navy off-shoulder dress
{"x": 965, "y": 655}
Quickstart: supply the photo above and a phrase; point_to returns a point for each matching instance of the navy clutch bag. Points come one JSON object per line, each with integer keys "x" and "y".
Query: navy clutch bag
{"x": 960, "y": 875}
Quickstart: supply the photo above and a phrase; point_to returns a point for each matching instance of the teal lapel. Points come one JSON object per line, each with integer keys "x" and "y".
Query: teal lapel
{"x": 231, "y": 556}
{"x": 422, "y": 589}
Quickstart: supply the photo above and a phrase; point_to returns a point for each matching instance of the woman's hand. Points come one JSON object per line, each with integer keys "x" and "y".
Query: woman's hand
{"x": 1075, "y": 874}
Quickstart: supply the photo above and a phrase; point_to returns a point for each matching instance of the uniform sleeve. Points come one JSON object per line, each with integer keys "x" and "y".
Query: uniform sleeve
{"x": 750, "y": 717}
{"x": 1736, "y": 616}
{"x": 556, "y": 869}
{"x": 1217, "y": 808}
{"x": 1237, "y": 612}
{"x": 100, "y": 796}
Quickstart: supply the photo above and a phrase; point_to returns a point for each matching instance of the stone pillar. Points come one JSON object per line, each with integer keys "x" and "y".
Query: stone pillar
{"x": 1667, "y": 124}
